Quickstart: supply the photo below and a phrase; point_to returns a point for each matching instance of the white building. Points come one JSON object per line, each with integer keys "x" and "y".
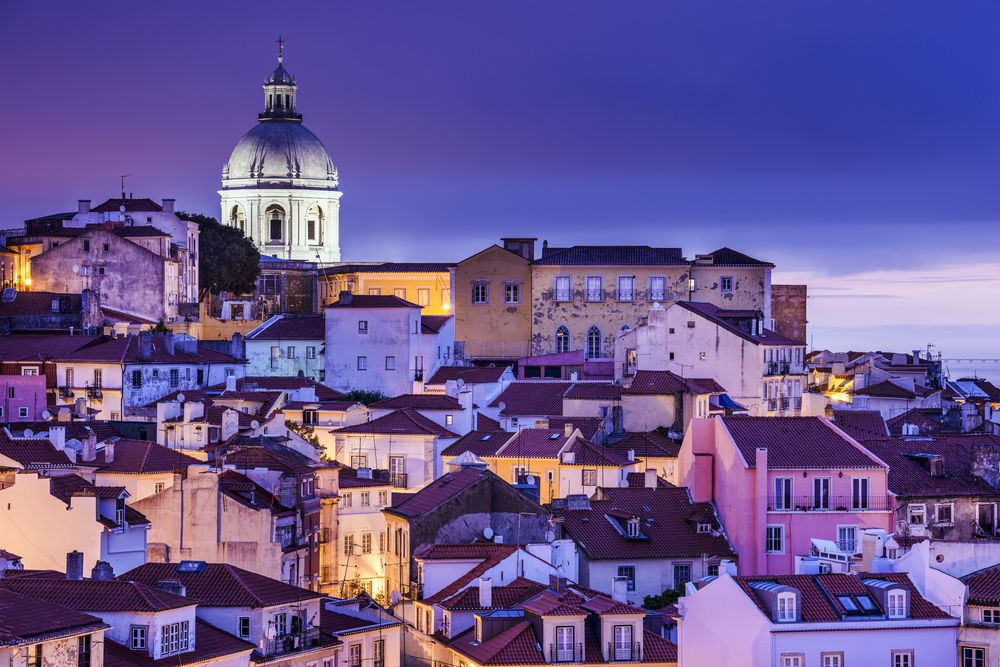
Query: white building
{"x": 287, "y": 345}
{"x": 279, "y": 186}
{"x": 381, "y": 343}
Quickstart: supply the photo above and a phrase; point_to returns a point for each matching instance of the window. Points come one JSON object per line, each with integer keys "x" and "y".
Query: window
{"x": 83, "y": 651}
{"x": 562, "y": 339}
{"x": 821, "y": 493}
{"x": 511, "y": 293}
{"x": 916, "y": 513}
{"x": 446, "y": 297}
{"x": 374, "y": 291}
{"x": 382, "y": 495}
{"x": 726, "y": 283}
{"x": 859, "y": 493}
{"x": 449, "y": 420}
{"x": 628, "y": 571}
{"x": 310, "y": 352}
{"x": 775, "y": 543}
{"x": 98, "y": 377}
{"x": 84, "y": 270}
{"x": 690, "y": 325}
{"x": 115, "y": 416}
{"x": 362, "y": 363}
{"x": 626, "y": 288}
{"x": 713, "y": 569}
{"x": 159, "y": 486}
{"x": 704, "y": 528}
{"x": 244, "y": 627}
{"x": 623, "y": 642}
{"x": 291, "y": 351}
{"x": 354, "y": 655}
{"x": 786, "y": 607}
{"x": 902, "y": 659}
{"x": 847, "y": 538}
{"x": 275, "y": 229}
{"x": 782, "y": 493}
{"x": 362, "y": 326}
{"x": 275, "y": 356}
{"x": 480, "y": 293}
{"x": 423, "y": 297}
{"x": 564, "y": 643}
{"x": 390, "y": 363}
{"x": 682, "y": 573}
{"x": 991, "y": 615}
{"x": 311, "y": 229}
{"x": 348, "y": 545}
{"x": 792, "y": 660}
{"x": 365, "y": 498}
{"x": 897, "y": 604}
{"x": 366, "y": 543}
{"x": 594, "y": 343}
{"x": 156, "y": 373}
{"x": 22, "y": 412}
{"x": 346, "y": 499}
{"x": 562, "y": 291}
{"x": 430, "y": 621}
{"x": 831, "y": 660}
{"x": 175, "y": 377}
{"x": 378, "y": 651}
{"x": 589, "y": 477}
{"x": 86, "y": 245}
{"x": 100, "y": 270}
{"x": 310, "y": 417}
{"x": 973, "y": 656}
{"x": 200, "y": 376}
{"x": 944, "y": 514}
{"x": 657, "y": 288}
{"x": 595, "y": 288}
{"x": 137, "y": 638}
{"x": 381, "y": 539}
{"x": 174, "y": 638}
{"x": 400, "y": 292}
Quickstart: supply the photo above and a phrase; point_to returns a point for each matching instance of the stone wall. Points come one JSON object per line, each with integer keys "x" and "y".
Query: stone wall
{"x": 788, "y": 309}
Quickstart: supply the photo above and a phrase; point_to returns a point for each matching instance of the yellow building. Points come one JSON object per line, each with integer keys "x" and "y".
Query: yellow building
{"x": 426, "y": 284}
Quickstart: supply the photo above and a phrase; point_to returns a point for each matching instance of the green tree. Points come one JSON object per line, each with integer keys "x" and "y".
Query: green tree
{"x": 364, "y": 396}
{"x": 667, "y": 597}
{"x": 227, "y": 260}
{"x": 161, "y": 327}
{"x": 307, "y": 432}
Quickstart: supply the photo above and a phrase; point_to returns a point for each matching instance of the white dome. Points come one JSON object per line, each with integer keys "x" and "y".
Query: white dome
{"x": 280, "y": 150}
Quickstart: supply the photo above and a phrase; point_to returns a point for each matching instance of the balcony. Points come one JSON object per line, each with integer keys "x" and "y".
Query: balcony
{"x": 565, "y": 652}
{"x": 295, "y": 642}
{"x": 65, "y": 392}
{"x": 398, "y": 480}
{"x": 772, "y": 405}
{"x": 626, "y": 295}
{"x": 628, "y": 370}
{"x": 94, "y": 393}
{"x": 595, "y": 295}
{"x": 798, "y": 402}
{"x": 624, "y": 651}
{"x": 562, "y": 295}
{"x": 783, "y": 403}
{"x": 827, "y": 503}
{"x": 784, "y": 367}
{"x": 770, "y": 368}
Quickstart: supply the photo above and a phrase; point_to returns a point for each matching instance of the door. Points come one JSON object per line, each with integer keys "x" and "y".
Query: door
{"x": 397, "y": 471}
{"x": 859, "y": 493}
{"x": 986, "y": 519}
{"x": 821, "y": 493}
{"x": 564, "y": 644}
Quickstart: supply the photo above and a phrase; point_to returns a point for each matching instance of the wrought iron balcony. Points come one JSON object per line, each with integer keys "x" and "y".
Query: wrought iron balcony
{"x": 772, "y": 405}
{"x": 784, "y": 403}
{"x": 827, "y": 503}
{"x": 562, "y": 295}
{"x": 628, "y": 369}
{"x": 65, "y": 392}
{"x": 295, "y": 642}
{"x": 565, "y": 652}
{"x": 626, "y": 295}
{"x": 595, "y": 295}
{"x": 770, "y": 368}
{"x": 624, "y": 651}
{"x": 398, "y": 480}
{"x": 94, "y": 392}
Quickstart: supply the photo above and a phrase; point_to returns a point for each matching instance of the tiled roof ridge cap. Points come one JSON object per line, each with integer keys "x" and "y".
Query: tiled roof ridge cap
{"x": 239, "y": 579}
{"x": 854, "y": 443}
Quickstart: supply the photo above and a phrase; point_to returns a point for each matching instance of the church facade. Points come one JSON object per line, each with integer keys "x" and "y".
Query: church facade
{"x": 280, "y": 186}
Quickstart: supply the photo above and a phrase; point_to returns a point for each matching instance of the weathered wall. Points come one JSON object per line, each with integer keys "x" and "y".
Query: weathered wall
{"x": 788, "y": 310}
{"x": 259, "y": 358}
{"x": 495, "y": 328}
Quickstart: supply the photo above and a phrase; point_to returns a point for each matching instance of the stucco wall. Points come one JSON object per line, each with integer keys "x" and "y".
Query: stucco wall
{"x": 259, "y": 358}
{"x": 788, "y": 310}
{"x": 391, "y": 332}
{"x": 495, "y": 328}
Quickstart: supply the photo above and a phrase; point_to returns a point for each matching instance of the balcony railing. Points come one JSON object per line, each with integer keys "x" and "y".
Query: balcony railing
{"x": 398, "y": 480}
{"x": 65, "y": 392}
{"x": 595, "y": 295}
{"x": 565, "y": 652}
{"x": 626, "y": 295}
{"x": 94, "y": 392}
{"x": 784, "y": 367}
{"x": 656, "y": 295}
{"x": 621, "y": 651}
{"x": 798, "y": 402}
{"x": 562, "y": 295}
{"x": 827, "y": 503}
{"x": 628, "y": 369}
{"x": 784, "y": 403}
{"x": 292, "y": 643}
{"x": 770, "y": 368}
{"x": 772, "y": 405}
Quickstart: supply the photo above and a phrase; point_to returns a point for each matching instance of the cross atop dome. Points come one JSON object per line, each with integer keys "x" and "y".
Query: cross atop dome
{"x": 279, "y": 92}
{"x": 281, "y": 47}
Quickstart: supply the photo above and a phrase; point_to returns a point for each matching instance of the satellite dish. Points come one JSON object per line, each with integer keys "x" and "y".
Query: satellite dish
{"x": 503, "y": 406}
{"x": 180, "y": 397}
{"x": 550, "y": 536}
{"x": 395, "y": 596}
{"x": 46, "y": 414}
{"x": 76, "y": 269}
{"x": 28, "y": 433}
{"x": 255, "y": 424}
{"x": 460, "y": 383}
{"x": 530, "y": 479}
{"x": 488, "y": 533}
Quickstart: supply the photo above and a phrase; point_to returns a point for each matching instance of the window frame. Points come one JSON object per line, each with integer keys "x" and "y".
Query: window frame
{"x": 789, "y": 612}
{"x": 558, "y": 338}
{"x": 390, "y": 363}
{"x": 138, "y": 642}
{"x": 770, "y": 540}
{"x": 901, "y": 657}
{"x": 951, "y": 514}
{"x": 590, "y": 293}
{"x": 362, "y": 362}
{"x": 859, "y": 502}
{"x": 628, "y": 296}
{"x": 891, "y": 603}
{"x": 565, "y": 294}
{"x": 655, "y": 295}
{"x": 591, "y": 330}
{"x": 973, "y": 660}
{"x": 722, "y": 283}
{"x": 847, "y": 526}
{"x": 786, "y": 660}
{"x": 84, "y": 650}
{"x": 424, "y": 296}
{"x": 787, "y": 493}
{"x": 629, "y": 574}
{"x": 592, "y": 474}
{"x": 511, "y": 293}
{"x": 690, "y": 572}
{"x": 239, "y": 627}
{"x": 480, "y": 292}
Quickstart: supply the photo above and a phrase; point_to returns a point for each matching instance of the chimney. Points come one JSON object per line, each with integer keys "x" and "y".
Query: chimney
{"x": 168, "y": 205}
{"x": 168, "y": 343}
{"x": 193, "y": 410}
{"x": 57, "y": 436}
{"x": 364, "y": 473}
{"x": 83, "y": 206}
{"x": 64, "y": 415}
{"x": 542, "y": 423}
{"x": 916, "y": 356}
{"x": 568, "y": 428}
{"x": 236, "y": 346}
{"x": 485, "y": 592}
{"x": 145, "y": 349}
{"x": 631, "y": 455}
{"x": 172, "y": 586}
{"x": 727, "y": 567}
{"x": 558, "y": 584}
{"x": 828, "y": 412}
{"x": 230, "y": 424}
{"x": 80, "y": 406}
{"x": 231, "y": 383}
{"x": 619, "y": 589}
{"x": 74, "y": 565}
{"x": 650, "y": 481}
{"x": 109, "y": 451}
{"x": 345, "y": 298}
{"x": 102, "y": 571}
{"x": 89, "y": 452}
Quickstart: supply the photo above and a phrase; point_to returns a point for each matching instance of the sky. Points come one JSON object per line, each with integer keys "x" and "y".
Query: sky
{"x": 854, "y": 144}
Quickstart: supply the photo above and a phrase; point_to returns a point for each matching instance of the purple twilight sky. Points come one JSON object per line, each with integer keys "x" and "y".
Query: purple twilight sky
{"x": 854, "y": 144}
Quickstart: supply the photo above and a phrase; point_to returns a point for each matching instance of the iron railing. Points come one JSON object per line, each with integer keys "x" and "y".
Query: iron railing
{"x": 291, "y": 643}
{"x": 626, "y": 295}
{"x": 628, "y": 369}
{"x": 827, "y": 503}
{"x": 398, "y": 480}
{"x": 784, "y": 403}
{"x": 595, "y": 295}
{"x": 798, "y": 402}
{"x": 770, "y": 368}
{"x": 772, "y": 405}
{"x": 562, "y": 295}
{"x": 565, "y": 652}
{"x": 94, "y": 392}
{"x": 65, "y": 392}
{"x": 621, "y": 651}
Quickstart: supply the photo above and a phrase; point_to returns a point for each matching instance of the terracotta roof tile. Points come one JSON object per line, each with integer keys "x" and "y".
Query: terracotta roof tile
{"x": 484, "y": 423}
{"x": 37, "y": 348}
{"x": 984, "y": 587}
{"x": 25, "y": 620}
{"x": 280, "y": 383}
{"x": 916, "y": 416}
{"x": 400, "y": 422}
{"x": 438, "y": 491}
{"x": 374, "y": 301}
{"x": 595, "y": 391}
{"x": 222, "y": 585}
{"x": 418, "y": 402}
{"x": 122, "y": 350}
{"x": 727, "y": 257}
{"x": 480, "y": 443}
{"x": 431, "y": 324}
{"x": 795, "y": 443}
{"x": 588, "y": 426}
{"x": 489, "y": 560}
{"x": 886, "y": 389}
{"x": 40, "y": 304}
{"x": 861, "y": 424}
{"x": 909, "y": 479}
{"x": 645, "y": 445}
{"x": 140, "y": 457}
{"x": 33, "y": 453}
{"x": 611, "y": 256}
{"x": 920, "y": 607}
{"x": 502, "y": 597}
{"x": 533, "y": 398}
{"x": 284, "y": 327}
{"x": 469, "y": 374}
{"x": 211, "y": 645}
{"x": 588, "y": 454}
{"x": 131, "y": 206}
{"x": 662, "y": 383}
{"x": 98, "y": 595}
{"x": 534, "y": 443}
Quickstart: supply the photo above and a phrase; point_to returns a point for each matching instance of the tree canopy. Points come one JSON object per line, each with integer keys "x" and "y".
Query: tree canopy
{"x": 364, "y": 396}
{"x": 227, "y": 260}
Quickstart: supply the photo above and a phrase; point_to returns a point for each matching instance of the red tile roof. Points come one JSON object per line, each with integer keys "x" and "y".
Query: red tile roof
{"x": 280, "y": 383}
{"x": 917, "y": 416}
{"x": 190, "y": 396}
{"x": 131, "y": 206}
{"x": 211, "y": 644}
{"x": 33, "y": 453}
{"x": 122, "y": 316}
{"x": 390, "y": 267}
{"x": 438, "y": 491}
{"x": 480, "y": 443}
{"x": 984, "y": 587}
{"x": 533, "y": 398}
{"x": 589, "y": 426}
{"x": 140, "y": 457}
{"x": 37, "y": 348}
{"x": 468, "y": 374}
{"x": 484, "y": 423}
{"x": 673, "y": 533}
{"x": 24, "y": 620}
{"x": 258, "y": 457}
{"x": 645, "y": 445}
{"x": 621, "y": 255}
{"x": 502, "y": 597}
{"x": 714, "y": 313}
{"x": 886, "y": 389}
{"x": 591, "y": 455}
{"x": 374, "y": 301}
{"x": 339, "y": 623}
{"x": 400, "y": 422}
{"x": 285, "y": 327}
{"x": 595, "y": 391}
{"x": 796, "y": 443}
{"x": 431, "y": 324}
{"x": 516, "y": 646}
{"x": 418, "y": 402}
{"x": 125, "y": 350}
{"x": 222, "y": 585}
{"x": 534, "y": 443}
{"x": 321, "y": 406}
{"x": 727, "y": 257}
{"x": 489, "y": 559}
{"x": 666, "y": 383}
{"x": 920, "y": 607}
{"x": 908, "y": 479}
{"x": 40, "y": 304}
{"x": 98, "y": 595}
{"x": 861, "y": 424}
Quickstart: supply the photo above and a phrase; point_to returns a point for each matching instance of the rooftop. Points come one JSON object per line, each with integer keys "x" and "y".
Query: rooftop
{"x": 796, "y": 443}
{"x": 399, "y": 422}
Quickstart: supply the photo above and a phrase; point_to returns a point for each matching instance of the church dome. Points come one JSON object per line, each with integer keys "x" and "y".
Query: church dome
{"x": 281, "y": 150}
{"x": 279, "y": 77}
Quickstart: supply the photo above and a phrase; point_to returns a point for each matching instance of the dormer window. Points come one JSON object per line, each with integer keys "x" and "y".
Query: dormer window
{"x": 786, "y": 607}
{"x": 633, "y": 527}
{"x": 896, "y": 606}
{"x": 704, "y": 528}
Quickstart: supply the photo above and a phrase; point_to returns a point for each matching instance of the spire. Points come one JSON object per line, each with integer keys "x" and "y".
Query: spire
{"x": 279, "y": 92}
{"x": 281, "y": 47}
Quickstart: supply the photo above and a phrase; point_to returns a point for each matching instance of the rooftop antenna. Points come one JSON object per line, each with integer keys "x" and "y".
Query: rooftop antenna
{"x": 123, "y": 186}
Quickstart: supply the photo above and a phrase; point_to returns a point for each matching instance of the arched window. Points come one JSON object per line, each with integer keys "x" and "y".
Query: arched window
{"x": 276, "y": 223}
{"x": 237, "y": 219}
{"x": 314, "y": 224}
{"x": 624, "y": 329}
{"x": 594, "y": 346}
{"x": 562, "y": 339}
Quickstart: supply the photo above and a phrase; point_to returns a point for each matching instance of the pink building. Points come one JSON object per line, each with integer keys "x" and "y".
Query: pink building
{"x": 23, "y": 398}
{"x": 780, "y": 482}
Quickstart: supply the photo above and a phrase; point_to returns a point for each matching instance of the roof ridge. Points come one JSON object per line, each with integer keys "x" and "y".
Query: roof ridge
{"x": 239, "y": 580}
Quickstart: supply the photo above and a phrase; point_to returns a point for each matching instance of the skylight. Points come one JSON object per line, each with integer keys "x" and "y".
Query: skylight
{"x": 847, "y": 603}
{"x": 866, "y": 603}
